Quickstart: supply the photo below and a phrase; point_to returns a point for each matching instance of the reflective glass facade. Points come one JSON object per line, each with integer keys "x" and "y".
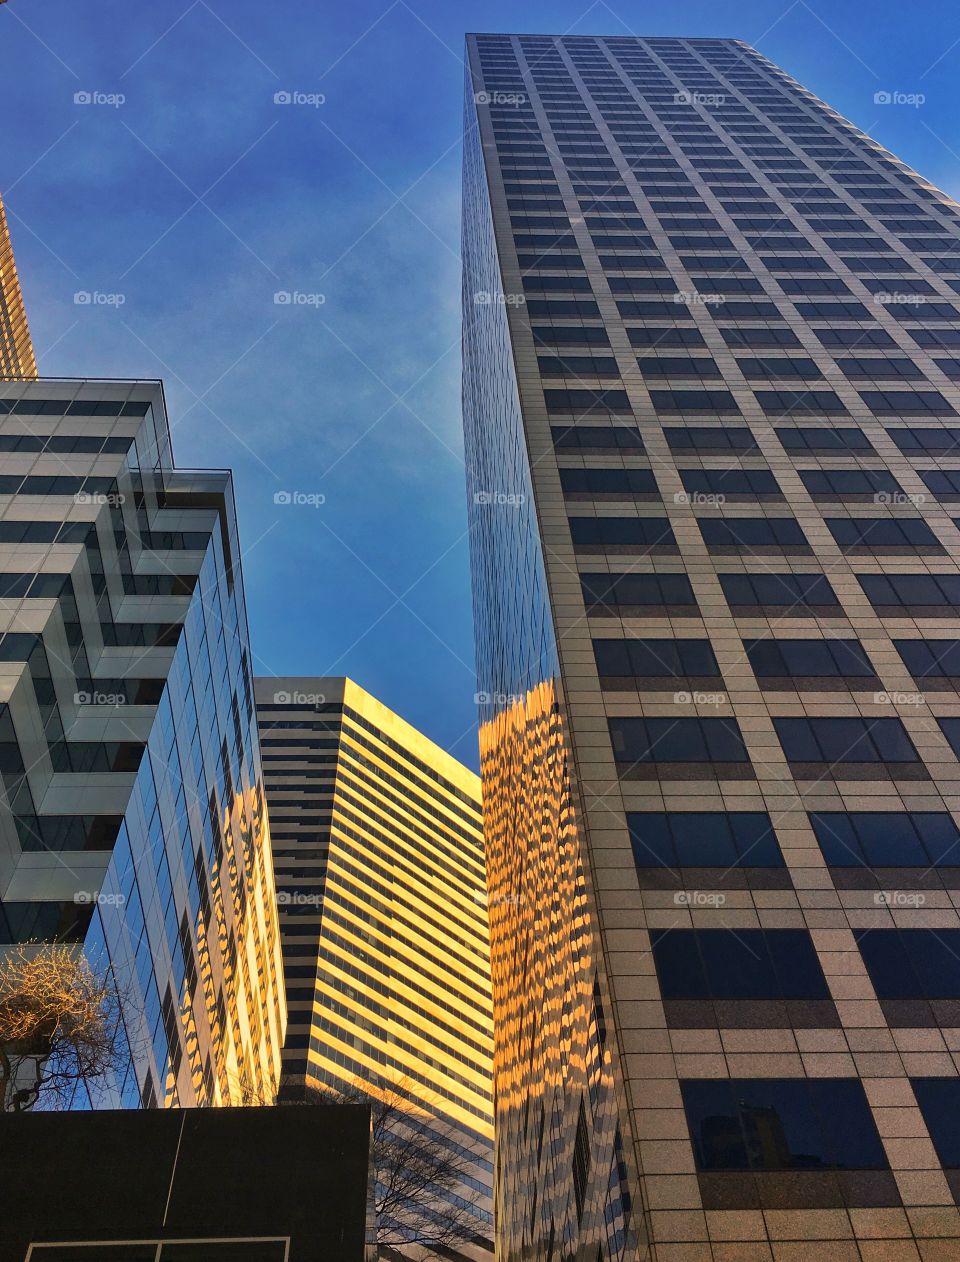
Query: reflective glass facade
{"x": 133, "y": 820}
{"x": 16, "y": 348}
{"x": 710, "y": 403}
{"x": 377, "y": 841}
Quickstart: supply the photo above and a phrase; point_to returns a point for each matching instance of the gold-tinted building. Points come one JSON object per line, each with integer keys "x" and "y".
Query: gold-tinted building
{"x": 378, "y": 854}
{"x": 16, "y": 349}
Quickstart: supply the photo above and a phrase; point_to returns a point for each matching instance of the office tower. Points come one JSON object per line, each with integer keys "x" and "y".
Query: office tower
{"x": 711, "y": 343}
{"x": 377, "y": 839}
{"x": 16, "y": 349}
{"x": 132, "y": 820}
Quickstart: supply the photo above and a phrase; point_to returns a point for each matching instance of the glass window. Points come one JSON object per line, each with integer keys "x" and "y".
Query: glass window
{"x": 781, "y": 1124}
{"x": 939, "y": 1100}
{"x": 676, "y": 740}
{"x": 617, "y": 590}
{"x": 887, "y": 838}
{"x": 696, "y": 839}
{"x": 631, "y": 531}
{"x": 882, "y": 532}
{"x": 912, "y": 963}
{"x": 775, "y": 658}
{"x": 845, "y": 740}
{"x": 655, "y": 658}
{"x": 737, "y": 964}
{"x": 751, "y": 532}
{"x": 930, "y": 659}
{"x": 777, "y": 589}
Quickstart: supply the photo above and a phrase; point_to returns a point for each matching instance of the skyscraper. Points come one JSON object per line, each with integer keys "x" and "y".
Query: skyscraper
{"x": 377, "y": 841}
{"x": 132, "y": 819}
{"x": 16, "y": 349}
{"x": 711, "y": 401}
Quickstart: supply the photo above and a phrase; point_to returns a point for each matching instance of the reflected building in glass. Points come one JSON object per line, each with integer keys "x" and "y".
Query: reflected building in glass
{"x": 132, "y": 816}
{"x": 16, "y": 349}
{"x": 711, "y": 354}
{"x": 377, "y": 838}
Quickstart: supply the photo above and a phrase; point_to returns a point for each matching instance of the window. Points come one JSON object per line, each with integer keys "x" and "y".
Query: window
{"x": 759, "y": 337}
{"x": 629, "y": 531}
{"x": 912, "y": 963}
{"x": 693, "y": 401}
{"x": 951, "y": 730}
{"x": 776, "y": 590}
{"x": 906, "y": 403}
{"x": 737, "y": 964}
{"x": 720, "y": 482}
{"x": 887, "y": 839}
{"x": 703, "y": 839}
{"x": 676, "y": 740}
{"x": 879, "y": 369}
{"x": 678, "y": 366}
{"x": 566, "y": 335}
{"x": 930, "y": 659}
{"x": 922, "y": 440}
{"x": 845, "y": 483}
{"x": 612, "y": 592}
{"x": 861, "y": 338}
{"x": 625, "y": 482}
{"x": 710, "y": 438}
{"x": 939, "y": 1101}
{"x": 585, "y": 402}
{"x": 789, "y": 403}
{"x": 770, "y": 367}
{"x": 665, "y": 337}
{"x": 597, "y": 438}
{"x": 578, "y": 366}
{"x": 781, "y": 1124}
{"x": 882, "y": 532}
{"x": 655, "y": 659}
{"x": 845, "y": 740}
{"x": 911, "y": 590}
{"x": 779, "y": 659}
{"x": 944, "y": 483}
{"x": 823, "y": 439}
{"x": 752, "y": 532}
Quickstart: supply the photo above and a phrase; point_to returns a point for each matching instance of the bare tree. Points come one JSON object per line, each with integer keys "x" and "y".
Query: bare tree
{"x": 60, "y": 1024}
{"x": 425, "y": 1207}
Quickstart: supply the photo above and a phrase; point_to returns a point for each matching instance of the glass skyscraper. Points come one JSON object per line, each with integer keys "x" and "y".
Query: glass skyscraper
{"x": 711, "y": 366}
{"x": 132, "y": 815}
{"x": 377, "y": 839}
{"x": 16, "y": 348}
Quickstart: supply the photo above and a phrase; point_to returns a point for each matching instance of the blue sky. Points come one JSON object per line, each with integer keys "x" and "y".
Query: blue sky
{"x": 197, "y": 198}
